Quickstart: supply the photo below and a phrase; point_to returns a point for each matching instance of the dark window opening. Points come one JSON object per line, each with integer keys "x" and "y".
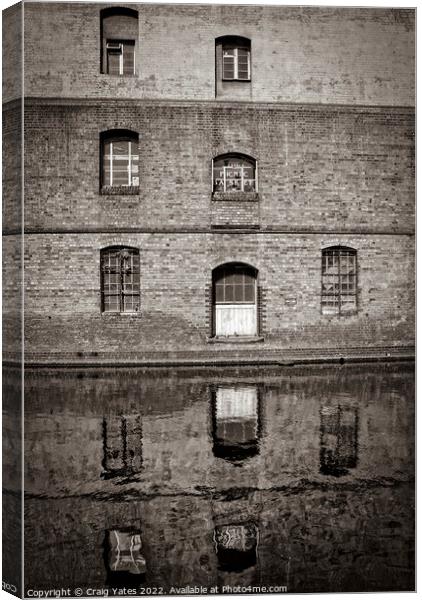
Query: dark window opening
{"x": 120, "y": 280}
{"x": 119, "y": 41}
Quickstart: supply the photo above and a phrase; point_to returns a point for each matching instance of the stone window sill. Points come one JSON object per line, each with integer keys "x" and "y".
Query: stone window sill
{"x": 235, "y": 196}
{"x": 235, "y": 339}
{"x": 120, "y": 190}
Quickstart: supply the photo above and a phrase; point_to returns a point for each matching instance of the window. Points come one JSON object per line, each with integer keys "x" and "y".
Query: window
{"x": 233, "y": 67}
{"x": 235, "y": 301}
{"x": 234, "y": 173}
{"x": 236, "y": 63}
{"x": 120, "y": 159}
{"x": 120, "y": 57}
{"x": 119, "y": 41}
{"x": 120, "y": 280}
{"x": 339, "y": 274}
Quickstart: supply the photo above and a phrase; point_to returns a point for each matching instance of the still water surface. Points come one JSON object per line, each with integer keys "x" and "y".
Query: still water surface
{"x": 297, "y": 477}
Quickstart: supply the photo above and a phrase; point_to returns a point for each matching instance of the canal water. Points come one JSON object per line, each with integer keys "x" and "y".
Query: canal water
{"x": 297, "y": 476}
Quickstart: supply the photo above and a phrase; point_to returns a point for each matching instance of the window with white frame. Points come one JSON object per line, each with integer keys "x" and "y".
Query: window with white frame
{"x": 121, "y": 57}
{"x": 120, "y": 159}
{"x": 234, "y": 173}
{"x": 119, "y": 41}
{"x": 339, "y": 280}
{"x": 236, "y": 62}
{"x": 120, "y": 280}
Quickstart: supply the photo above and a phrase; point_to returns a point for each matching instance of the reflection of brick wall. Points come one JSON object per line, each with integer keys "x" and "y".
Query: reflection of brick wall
{"x": 321, "y": 530}
{"x": 176, "y": 418}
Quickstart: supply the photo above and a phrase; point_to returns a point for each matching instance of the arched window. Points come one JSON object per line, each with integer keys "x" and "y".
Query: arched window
{"x": 235, "y": 300}
{"x": 119, "y": 41}
{"x": 120, "y": 280}
{"x": 236, "y": 58}
{"x": 339, "y": 280}
{"x": 234, "y": 173}
{"x": 120, "y": 159}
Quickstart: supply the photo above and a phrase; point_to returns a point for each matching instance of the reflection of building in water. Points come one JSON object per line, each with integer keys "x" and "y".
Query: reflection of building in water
{"x": 236, "y": 546}
{"x": 124, "y": 560}
{"x": 236, "y": 422}
{"x": 122, "y": 444}
{"x": 339, "y": 439}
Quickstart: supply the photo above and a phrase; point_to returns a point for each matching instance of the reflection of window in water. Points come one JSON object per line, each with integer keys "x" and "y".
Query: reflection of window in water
{"x": 236, "y": 546}
{"x": 339, "y": 440}
{"x": 124, "y": 560}
{"x": 122, "y": 444}
{"x": 236, "y": 422}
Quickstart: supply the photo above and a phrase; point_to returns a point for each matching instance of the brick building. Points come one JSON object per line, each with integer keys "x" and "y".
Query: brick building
{"x": 209, "y": 183}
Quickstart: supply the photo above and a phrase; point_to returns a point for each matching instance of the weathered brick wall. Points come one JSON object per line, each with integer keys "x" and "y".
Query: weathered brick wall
{"x": 12, "y": 52}
{"x": 12, "y": 215}
{"x": 319, "y": 168}
{"x": 62, "y": 301}
{"x": 361, "y": 64}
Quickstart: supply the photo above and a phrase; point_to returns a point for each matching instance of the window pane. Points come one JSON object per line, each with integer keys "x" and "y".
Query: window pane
{"x": 219, "y": 292}
{"x": 121, "y": 148}
{"x": 128, "y": 58}
{"x": 228, "y": 64}
{"x": 229, "y": 293}
{"x": 113, "y": 62}
{"x": 111, "y": 303}
{"x": 238, "y": 293}
{"x": 130, "y": 303}
{"x": 249, "y": 293}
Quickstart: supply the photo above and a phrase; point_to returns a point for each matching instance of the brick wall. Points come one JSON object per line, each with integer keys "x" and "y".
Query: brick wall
{"x": 319, "y": 168}
{"x": 361, "y": 64}
{"x": 63, "y": 309}
{"x": 12, "y": 52}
